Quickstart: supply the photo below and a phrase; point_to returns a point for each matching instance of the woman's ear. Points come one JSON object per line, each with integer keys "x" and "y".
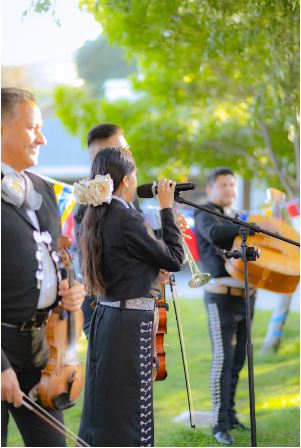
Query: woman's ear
{"x": 125, "y": 181}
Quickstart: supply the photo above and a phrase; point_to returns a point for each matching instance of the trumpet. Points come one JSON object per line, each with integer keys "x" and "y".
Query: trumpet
{"x": 198, "y": 278}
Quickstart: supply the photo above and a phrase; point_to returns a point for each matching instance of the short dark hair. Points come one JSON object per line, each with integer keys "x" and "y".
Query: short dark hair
{"x": 102, "y": 131}
{"x": 10, "y": 97}
{"x": 223, "y": 171}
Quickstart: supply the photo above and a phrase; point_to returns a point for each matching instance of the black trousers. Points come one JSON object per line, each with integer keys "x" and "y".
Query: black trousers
{"x": 228, "y": 334}
{"x": 34, "y": 431}
{"x": 118, "y": 402}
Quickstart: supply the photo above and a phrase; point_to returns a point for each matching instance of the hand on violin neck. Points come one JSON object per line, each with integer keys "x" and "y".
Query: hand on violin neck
{"x": 182, "y": 223}
{"x": 10, "y": 388}
{"x": 164, "y": 276}
{"x": 72, "y": 298}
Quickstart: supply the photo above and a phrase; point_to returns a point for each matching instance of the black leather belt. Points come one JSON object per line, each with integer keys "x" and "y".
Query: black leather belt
{"x": 37, "y": 321}
{"x": 141, "y": 303}
{"x": 228, "y": 290}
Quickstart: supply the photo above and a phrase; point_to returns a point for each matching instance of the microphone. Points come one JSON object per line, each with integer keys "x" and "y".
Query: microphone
{"x": 151, "y": 190}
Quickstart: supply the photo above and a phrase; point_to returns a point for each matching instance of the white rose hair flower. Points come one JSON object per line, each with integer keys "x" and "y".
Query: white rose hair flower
{"x": 94, "y": 191}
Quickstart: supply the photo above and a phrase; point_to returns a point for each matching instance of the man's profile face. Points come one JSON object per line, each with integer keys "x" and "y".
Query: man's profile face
{"x": 116, "y": 140}
{"x": 223, "y": 190}
{"x": 22, "y": 136}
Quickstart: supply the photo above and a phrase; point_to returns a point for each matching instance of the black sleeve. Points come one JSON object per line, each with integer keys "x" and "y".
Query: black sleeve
{"x": 215, "y": 230}
{"x": 142, "y": 243}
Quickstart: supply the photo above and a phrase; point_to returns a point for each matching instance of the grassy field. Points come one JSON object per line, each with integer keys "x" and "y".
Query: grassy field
{"x": 276, "y": 386}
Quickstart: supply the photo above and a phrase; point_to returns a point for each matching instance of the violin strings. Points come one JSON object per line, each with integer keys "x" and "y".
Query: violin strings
{"x": 55, "y": 423}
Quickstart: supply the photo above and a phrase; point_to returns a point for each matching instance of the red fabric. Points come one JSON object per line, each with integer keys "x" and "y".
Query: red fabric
{"x": 192, "y": 244}
{"x": 293, "y": 209}
{"x": 68, "y": 229}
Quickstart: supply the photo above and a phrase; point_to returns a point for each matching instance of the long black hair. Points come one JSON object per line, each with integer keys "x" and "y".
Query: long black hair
{"x": 118, "y": 163}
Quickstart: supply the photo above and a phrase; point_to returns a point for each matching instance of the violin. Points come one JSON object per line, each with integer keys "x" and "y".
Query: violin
{"x": 63, "y": 377}
{"x": 160, "y": 329}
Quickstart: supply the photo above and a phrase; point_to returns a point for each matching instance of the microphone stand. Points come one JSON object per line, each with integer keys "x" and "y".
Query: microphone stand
{"x": 246, "y": 254}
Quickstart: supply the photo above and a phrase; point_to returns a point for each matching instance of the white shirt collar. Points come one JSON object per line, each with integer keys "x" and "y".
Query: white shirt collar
{"x": 28, "y": 196}
{"x": 118, "y": 198}
{"x": 7, "y": 169}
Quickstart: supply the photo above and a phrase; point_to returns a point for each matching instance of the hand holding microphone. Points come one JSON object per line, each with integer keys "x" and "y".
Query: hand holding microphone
{"x": 166, "y": 191}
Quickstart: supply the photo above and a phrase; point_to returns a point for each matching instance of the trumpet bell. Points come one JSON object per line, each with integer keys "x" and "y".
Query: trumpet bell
{"x": 198, "y": 280}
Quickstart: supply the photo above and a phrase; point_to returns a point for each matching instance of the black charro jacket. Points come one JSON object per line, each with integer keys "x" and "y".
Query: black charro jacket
{"x": 19, "y": 265}
{"x": 132, "y": 254}
{"x": 19, "y": 293}
{"x": 214, "y": 232}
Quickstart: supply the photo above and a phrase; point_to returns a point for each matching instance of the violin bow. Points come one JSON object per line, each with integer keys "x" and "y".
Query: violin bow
{"x": 175, "y": 299}
{"x": 52, "y": 421}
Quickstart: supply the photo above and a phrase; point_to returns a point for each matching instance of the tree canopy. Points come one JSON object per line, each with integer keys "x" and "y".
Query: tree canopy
{"x": 98, "y": 61}
{"x": 219, "y": 84}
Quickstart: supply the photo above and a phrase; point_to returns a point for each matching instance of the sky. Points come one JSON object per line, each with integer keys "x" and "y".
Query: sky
{"x": 37, "y": 37}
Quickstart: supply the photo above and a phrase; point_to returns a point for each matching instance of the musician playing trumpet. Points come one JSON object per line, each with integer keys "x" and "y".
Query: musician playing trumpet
{"x": 121, "y": 260}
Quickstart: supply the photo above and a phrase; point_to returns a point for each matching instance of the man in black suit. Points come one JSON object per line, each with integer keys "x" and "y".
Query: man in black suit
{"x": 30, "y": 275}
{"x": 105, "y": 135}
{"x": 225, "y": 302}
{"x": 101, "y": 136}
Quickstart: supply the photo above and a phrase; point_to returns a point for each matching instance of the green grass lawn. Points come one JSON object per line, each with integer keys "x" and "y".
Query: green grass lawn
{"x": 276, "y": 386}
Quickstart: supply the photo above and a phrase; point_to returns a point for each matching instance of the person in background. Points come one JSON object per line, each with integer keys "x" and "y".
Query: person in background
{"x": 30, "y": 276}
{"x": 121, "y": 261}
{"x": 99, "y": 137}
{"x": 225, "y": 302}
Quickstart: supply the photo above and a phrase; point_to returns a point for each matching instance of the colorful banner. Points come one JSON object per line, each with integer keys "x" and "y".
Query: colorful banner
{"x": 66, "y": 204}
{"x": 65, "y": 200}
{"x": 68, "y": 228}
{"x": 293, "y": 208}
